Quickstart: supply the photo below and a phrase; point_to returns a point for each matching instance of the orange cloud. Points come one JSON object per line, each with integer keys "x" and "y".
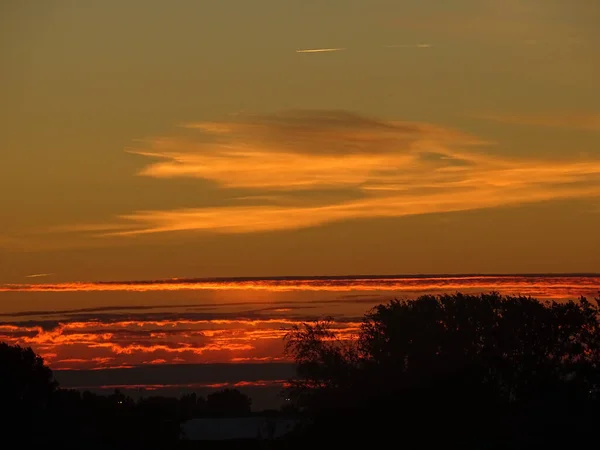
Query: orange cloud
{"x": 126, "y": 338}
{"x": 389, "y": 168}
{"x": 409, "y": 46}
{"x": 97, "y": 345}
{"x": 540, "y": 286}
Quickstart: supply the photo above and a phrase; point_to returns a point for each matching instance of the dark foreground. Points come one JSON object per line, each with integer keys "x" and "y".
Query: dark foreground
{"x": 452, "y": 371}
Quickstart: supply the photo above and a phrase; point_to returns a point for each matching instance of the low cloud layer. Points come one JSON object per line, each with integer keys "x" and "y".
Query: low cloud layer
{"x": 385, "y": 168}
{"x": 123, "y": 340}
{"x": 546, "y": 286}
{"x": 155, "y": 332}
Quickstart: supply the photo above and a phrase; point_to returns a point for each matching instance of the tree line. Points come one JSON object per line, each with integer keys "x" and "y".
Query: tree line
{"x": 37, "y": 409}
{"x": 470, "y": 371}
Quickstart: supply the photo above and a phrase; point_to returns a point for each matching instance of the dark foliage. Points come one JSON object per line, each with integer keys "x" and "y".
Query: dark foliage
{"x": 228, "y": 402}
{"x": 36, "y": 410}
{"x": 26, "y": 387}
{"x": 478, "y": 369}
{"x": 460, "y": 371}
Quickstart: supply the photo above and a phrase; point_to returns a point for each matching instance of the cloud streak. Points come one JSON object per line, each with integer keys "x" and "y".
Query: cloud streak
{"x": 539, "y": 286}
{"x": 320, "y": 50}
{"x": 409, "y": 46}
{"x": 385, "y": 168}
{"x": 339, "y": 49}
{"x": 126, "y": 342}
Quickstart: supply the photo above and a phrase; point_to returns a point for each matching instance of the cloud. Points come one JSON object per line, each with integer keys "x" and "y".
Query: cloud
{"x": 409, "y": 46}
{"x": 130, "y": 335}
{"x": 547, "y": 286}
{"x": 96, "y": 309}
{"x": 319, "y": 50}
{"x": 39, "y": 275}
{"x": 251, "y": 308}
{"x": 385, "y": 169}
{"x": 575, "y": 121}
{"x": 107, "y": 341}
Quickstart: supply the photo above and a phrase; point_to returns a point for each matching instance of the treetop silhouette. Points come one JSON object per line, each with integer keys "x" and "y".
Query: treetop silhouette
{"x": 480, "y": 348}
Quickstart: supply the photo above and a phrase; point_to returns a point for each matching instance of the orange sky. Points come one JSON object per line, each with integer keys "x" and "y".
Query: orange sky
{"x": 218, "y": 321}
{"x": 147, "y": 139}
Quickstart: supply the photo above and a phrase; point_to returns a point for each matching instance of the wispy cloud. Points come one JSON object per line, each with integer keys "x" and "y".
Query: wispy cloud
{"x": 39, "y": 275}
{"x": 409, "y": 46}
{"x": 129, "y": 340}
{"x": 386, "y": 168}
{"x": 574, "y": 121}
{"x": 319, "y": 50}
{"x": 329, "y": 50}
{"x": 540, "y": 286}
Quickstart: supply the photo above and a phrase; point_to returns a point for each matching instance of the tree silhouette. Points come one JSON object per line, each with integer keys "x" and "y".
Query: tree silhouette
{"x": 27, "y": 383}
{"x": 484, "y": 354}
{"x": 26, "y": 386}
{"x": 514, "y": 348}
{"x": 230, "y": 402}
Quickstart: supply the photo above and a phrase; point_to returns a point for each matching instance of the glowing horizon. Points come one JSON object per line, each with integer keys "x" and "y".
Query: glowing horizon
{"x": 563, "y": 284}
{"x": 238, "y": 326}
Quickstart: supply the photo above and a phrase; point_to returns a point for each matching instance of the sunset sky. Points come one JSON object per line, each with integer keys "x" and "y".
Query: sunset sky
{"x": 154, "y": 139}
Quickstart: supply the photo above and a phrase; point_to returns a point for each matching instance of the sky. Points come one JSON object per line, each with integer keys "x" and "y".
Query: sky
{"x": 153, "y": 139}
{"x": 149, "y": 139}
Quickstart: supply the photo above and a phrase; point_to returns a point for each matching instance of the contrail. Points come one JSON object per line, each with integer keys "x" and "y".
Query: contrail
{"x": 38, "y": 275}
{"x": 319, "y": 50}
{"x": 410, "y": 46}
{"x": 339, "y": 49}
